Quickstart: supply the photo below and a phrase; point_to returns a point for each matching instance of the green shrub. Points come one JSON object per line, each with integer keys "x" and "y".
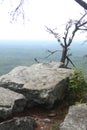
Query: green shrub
{"x": 77, "y": 84}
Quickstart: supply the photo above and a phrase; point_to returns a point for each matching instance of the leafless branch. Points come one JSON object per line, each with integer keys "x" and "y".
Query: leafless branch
{"x": 67, "y": 28}
{"x": 69, "y": 60}
{"x": 82, "y": 3}
{"x": 18, "y": 11}
{"x": 83, "y": 15}
{"x": 36, "y": 60}
{"x": 51, "y": 31}
{"x": 51, "y": 53}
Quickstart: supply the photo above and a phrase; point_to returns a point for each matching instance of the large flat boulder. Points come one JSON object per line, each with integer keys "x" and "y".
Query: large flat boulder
{"x": 10, "y": 102}
{"x": 42, "y": 83}
{"x": 22, "y": 123}
{"x": 76, "y": 118}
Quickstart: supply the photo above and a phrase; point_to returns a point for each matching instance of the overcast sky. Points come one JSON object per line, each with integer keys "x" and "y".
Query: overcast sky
{"x": 52, "y": 13}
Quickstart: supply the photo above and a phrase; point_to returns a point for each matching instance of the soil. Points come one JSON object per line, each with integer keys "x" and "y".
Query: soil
{"x": 48, "y": 119}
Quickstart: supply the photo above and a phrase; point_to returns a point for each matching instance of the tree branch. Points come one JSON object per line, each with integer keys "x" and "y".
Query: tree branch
{"x": 51, "y": 53}
{"x": 18, "y": 10}
{"x": 68, "y": 26}
{"x": 36, "y": 60}
{"x": 56, "y": 35}
{"x": 82, "y": 3}
{"x": 69, "y": 60}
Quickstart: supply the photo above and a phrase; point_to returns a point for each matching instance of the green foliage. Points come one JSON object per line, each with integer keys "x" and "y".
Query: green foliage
{"x": 77, "y": 84}
{"x": 79, "y": 102}
{"x": 54, "y": 126}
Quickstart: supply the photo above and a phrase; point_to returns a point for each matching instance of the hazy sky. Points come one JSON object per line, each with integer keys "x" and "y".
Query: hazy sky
{"x": 52, "y": 13}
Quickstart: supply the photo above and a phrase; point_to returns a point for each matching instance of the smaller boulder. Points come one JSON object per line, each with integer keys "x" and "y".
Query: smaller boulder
{"x": 76, "y": 118}
{"x": 10, "y": 102}
{"x": 23, "y": 123}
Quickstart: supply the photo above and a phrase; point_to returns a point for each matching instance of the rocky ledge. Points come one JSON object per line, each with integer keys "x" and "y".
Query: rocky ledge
{"x": 24, "y": 87}
{"x": 42, "y": 83}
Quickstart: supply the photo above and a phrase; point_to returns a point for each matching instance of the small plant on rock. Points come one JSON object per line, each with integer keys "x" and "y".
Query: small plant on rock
{"x": 77, "y": 85}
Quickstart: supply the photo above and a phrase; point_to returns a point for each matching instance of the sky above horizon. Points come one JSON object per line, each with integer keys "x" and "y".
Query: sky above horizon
{"x": 38, "y": 13}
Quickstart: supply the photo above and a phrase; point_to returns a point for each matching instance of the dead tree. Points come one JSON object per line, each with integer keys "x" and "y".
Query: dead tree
{"x": 71, "y": 28}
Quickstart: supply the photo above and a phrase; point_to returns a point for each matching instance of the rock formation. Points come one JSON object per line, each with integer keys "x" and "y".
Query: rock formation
{"x": 76, "y": 118}
{"x": 22, "y": 123}
{"x": 42, "y": 83}
{"x": 10, "y": 102}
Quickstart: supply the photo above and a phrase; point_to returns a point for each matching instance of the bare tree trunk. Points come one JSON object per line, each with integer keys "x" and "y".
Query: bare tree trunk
{"x": 64, "y": 54}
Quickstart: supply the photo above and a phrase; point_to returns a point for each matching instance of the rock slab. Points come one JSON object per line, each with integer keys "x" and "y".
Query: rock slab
{"x": 76, "y": 118}
{"x": 22, "y": 123}
{"x": 10, "y": 102}
{"x": 42, "y": 83}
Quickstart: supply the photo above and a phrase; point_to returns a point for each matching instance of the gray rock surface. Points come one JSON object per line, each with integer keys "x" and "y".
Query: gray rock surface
{"x": 10, "y": 102}
{"x": 42, "y": 83}
{"x": 22, "y": 123}
{"x": 76, "y": 118}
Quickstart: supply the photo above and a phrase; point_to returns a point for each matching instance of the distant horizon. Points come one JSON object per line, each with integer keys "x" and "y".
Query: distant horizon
{"x": 17, "y": 53}
{"x": 32, "y": 43}
{"x": 33, "y": 40}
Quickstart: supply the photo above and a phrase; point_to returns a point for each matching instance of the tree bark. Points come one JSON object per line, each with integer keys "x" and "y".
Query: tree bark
{"x": 82, "y": 3}
{"x": 64, "y": 54}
